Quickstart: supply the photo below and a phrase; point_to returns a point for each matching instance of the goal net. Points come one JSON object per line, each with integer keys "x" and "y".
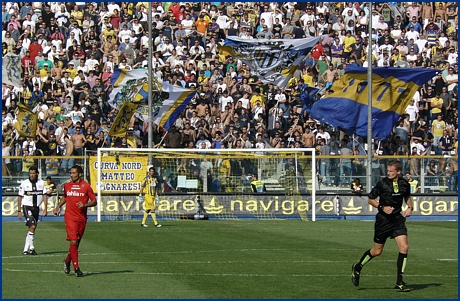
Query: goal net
{"x": 206, "y": 183}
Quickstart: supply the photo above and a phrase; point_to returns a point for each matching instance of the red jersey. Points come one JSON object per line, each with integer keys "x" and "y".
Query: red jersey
{"x": 74, "y": 193}
{"x": 317, "y": 51}
{"x": 34, "y": 48}
{"x": 27, "y": 62}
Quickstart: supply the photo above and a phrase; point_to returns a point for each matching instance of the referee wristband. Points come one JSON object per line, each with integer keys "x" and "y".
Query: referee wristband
{"x": 380, "y": 207}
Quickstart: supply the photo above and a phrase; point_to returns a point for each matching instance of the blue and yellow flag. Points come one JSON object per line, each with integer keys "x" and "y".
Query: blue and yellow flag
{"x": 274, "y": 61}
{"x": 26, "y": 125}
{"x": 392, "y": 90}
{"x": 121, "y": 122}
{"x": 130, "y": 86}
{"x": 167, "y": 114}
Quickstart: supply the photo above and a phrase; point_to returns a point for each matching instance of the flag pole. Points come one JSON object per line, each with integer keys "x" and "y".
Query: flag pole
{"x": 149, "y": 76}
{"x": 162, "y": 138}
{"x": 369, "y": 103}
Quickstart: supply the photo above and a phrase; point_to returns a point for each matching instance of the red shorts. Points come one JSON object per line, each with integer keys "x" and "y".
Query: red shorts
{"x": 75, "y": 229}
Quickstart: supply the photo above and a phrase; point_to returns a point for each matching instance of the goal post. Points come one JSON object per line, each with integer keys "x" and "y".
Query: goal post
{"x": 215, "y": 181}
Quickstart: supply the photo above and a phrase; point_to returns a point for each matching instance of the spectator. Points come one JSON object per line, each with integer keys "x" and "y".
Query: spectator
{"x": 446, "y": 143}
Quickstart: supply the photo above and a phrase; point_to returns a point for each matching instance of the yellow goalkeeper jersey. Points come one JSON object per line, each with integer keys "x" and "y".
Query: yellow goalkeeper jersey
{"x": 150, "y": 185}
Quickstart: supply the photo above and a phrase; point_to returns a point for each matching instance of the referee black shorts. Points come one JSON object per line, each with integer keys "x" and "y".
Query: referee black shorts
{"x": 388, "y": 226}
{"x": 31, "y": 215}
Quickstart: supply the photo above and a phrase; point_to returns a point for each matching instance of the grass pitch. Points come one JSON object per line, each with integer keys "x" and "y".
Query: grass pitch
{"x": 255, "y": 259}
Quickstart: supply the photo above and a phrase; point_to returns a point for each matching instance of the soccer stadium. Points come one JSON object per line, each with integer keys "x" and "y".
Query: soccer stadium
{"x": 253, "y": 133}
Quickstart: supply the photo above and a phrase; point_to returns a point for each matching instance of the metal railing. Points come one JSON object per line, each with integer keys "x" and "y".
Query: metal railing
{"x": 434, "y": 173}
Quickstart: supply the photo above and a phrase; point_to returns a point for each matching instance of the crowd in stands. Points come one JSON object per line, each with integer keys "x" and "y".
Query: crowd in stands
{"x": 69, "y": 51}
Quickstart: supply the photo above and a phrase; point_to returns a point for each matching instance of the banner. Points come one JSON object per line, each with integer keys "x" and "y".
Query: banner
{"x": 167, "y": 114}
{"x": 121, "y": 122}
{"x": 132, "y": 87}
{"x": 26, "y": 123}
{"x": 254, "y": 206}
{"x": 11, "y": 70}
{"x": 274, "y": 61}
{"x": 119, "y": 174}
{"x": 128, "y": 86}
{"x": 392, "y": 90}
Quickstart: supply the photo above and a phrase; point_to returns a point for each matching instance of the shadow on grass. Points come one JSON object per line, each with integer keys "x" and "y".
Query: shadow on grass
{"x": 416, "y": 286}
{"x": 54, "y": 252}
{"x": 420, "y": 286}
{"x": 87, "y": 274}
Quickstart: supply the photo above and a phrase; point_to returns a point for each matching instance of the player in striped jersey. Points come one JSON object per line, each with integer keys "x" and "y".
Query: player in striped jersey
{"x": 150, "y": 185}
{"x": 32, "y": 193}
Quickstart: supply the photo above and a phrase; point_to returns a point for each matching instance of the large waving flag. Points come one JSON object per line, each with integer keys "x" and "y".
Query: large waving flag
{"x": 392, "y": 90}
{"x": 11, "y": 69}
{"x": 121, "y": 122}
{"x": 274, "y": 61}
{"x": 26, "y": 124}
{"x": 130, "y": 86}
{"x": 166, "y": 114}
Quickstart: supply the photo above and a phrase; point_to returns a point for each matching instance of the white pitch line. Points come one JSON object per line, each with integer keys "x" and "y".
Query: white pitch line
{"x": 226, "y": 251}
{"x": 224, "y": 275}
{"x": 212, "y": 262}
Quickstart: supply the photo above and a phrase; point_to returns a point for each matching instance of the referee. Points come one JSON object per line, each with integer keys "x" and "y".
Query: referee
{"x": 32, "y": 193}
{"x": 389, "y": 221}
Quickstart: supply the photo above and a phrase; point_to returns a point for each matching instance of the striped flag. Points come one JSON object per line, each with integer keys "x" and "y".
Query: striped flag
{"x": 132, "y": 87}
{"x": 26, "y": 124}
{"x": 167, "y": 114}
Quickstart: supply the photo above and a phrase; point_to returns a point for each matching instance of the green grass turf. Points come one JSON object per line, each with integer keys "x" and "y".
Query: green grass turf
{"x": 228, "y": 259}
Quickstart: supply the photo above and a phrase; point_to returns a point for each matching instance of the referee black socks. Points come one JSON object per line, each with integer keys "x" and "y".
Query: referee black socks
{"x": 365, "y": 259}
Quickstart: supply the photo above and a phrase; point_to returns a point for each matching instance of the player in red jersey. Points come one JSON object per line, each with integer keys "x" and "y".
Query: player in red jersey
{"x": 78, "y": 195}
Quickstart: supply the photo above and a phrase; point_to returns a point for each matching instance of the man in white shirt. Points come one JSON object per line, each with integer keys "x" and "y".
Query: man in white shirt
{"x": 420, "y": 148}
{"x": 305, "y": 18}
{"x": 112, "y": 6}
{"x": 413, "y": 112}
{"x": 267, "y": 16}
{"x": 124, "y": 33}
{"x": 91, "y": 62}
{"x": 187, "y": 23}
{"x": 226, "y": 100}
{"x": 222, "y": 19}
{"x": 421, "y": 42}
{"x": 351, "y": 8}
{"x": 180, "y": 47}
{"x": 451, "y": 80}
{"x": 413, "y": 34}
{"x": 323, "y": 134}
{"x": 244, "y": 100}
{"x": 452, "y": 56}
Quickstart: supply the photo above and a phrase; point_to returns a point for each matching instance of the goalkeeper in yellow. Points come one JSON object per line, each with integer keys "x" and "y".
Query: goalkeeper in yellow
{"x": 150, "y": 183}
